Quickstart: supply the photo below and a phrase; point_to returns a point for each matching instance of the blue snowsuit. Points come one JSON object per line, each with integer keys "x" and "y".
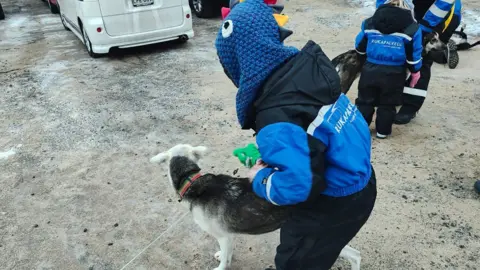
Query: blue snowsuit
{"x": 391, "y": 41}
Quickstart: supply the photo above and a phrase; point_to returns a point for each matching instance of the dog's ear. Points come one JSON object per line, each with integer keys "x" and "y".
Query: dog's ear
{"x": 160, "y": 158}
{"x": 199, "y": 151}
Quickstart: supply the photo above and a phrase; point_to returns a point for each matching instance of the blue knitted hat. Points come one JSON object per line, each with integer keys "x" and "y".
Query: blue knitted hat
{"x": 249, "y": 47}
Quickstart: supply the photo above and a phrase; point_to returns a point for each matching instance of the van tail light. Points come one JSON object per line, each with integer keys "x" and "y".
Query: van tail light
{"x": 99, "y": 29}
{"x": 188, "y": 16}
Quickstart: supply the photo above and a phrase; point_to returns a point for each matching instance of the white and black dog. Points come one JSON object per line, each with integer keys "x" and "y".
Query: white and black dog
{"x": 223, "y": 205}
{"x": 349, "y": 64}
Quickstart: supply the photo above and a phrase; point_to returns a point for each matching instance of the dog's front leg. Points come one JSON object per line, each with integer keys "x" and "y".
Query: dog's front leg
{"x": 225, "y": 253}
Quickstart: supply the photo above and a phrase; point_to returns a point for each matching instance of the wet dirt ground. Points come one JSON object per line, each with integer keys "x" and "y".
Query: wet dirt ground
{"x": 76, "y": 133}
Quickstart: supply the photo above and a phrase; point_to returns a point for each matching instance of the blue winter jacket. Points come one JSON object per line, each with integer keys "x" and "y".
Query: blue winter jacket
{"x": 391, "y": 37}
{"x": 314, "y": 139}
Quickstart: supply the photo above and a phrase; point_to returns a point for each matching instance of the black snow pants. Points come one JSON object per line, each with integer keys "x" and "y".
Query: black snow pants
{"x": 380, "y": 86}
{"x": 413, "y": 98}
{"x": 315, "y": 234}
{"x": 452, "y": 26}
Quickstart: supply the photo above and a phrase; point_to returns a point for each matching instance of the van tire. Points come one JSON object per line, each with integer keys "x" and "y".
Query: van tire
{"x": 204, "y": 8}
{"x": 88, "y": 44}
{"x": 2, "y": 14}
{"x": 53, "y": 8}
{"x": 62, "y": 18}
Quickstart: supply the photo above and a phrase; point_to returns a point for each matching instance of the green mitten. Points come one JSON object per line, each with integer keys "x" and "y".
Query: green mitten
{"x": 247, "y": 155}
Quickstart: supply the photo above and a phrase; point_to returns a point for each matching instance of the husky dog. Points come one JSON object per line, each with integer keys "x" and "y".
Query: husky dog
{"x": 223, "y": 205}
{"x": 460, "y": 39}
{"x": 349, "y": 64}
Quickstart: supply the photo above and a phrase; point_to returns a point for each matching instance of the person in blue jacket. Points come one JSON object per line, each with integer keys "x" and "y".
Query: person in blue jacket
{"x": 314, "y": 143}
{"x": 390, "y": 39}
{"x": 443, "y": 17}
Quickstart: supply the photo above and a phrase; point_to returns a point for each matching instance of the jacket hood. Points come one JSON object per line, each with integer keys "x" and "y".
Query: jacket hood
{"x": 389, "y": 19}
{"x": 306, "y": 82}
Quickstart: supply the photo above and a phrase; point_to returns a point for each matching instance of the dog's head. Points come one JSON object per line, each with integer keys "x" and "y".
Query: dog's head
{"x": 180, "y": 150}
{"x": 182, "y": 162}
{"x": 431, "y": 41}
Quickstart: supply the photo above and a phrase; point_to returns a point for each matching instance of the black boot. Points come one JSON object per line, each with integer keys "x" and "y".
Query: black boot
{"x": 403, "y": 118}
{"x": 447, "y": 56}
{"x": 452, "y": 54}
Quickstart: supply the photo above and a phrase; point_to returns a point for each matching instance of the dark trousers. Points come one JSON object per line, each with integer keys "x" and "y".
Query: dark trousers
{"x": 413, "y": 99}
{"x": 452, "y": 26}
{"x": 382, "y": 87}
{"x": 313, "y": 236}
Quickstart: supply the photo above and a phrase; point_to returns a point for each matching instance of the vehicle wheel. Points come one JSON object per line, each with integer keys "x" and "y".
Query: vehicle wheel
{"x": 88, "y": 44}
{"x": 204, "y": 8}
{"x": 2, "y": 15}
{"x": 53, "y": 8}
{"x": 62, "y": 19}
{"x": 182, "y": 39}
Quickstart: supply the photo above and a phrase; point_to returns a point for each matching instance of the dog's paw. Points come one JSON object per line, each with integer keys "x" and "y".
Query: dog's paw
{"x": 217, "y": 257}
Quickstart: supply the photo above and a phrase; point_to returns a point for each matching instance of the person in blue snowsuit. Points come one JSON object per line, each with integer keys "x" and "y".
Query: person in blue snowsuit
{"x": 391, "y": 40}
{"x": 443, "y": 17}
{"x": 314, "y": 143}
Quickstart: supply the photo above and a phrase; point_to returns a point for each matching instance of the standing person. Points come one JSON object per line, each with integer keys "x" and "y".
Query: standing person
{"x": 315, "y": 142}
{"x": 433, "y": 15}
{"x": 390, "y": 39}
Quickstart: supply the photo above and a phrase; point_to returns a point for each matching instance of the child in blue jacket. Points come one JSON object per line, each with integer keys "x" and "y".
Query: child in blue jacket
{"x": 314, "y": 142}
{"x": 391, "y": 39}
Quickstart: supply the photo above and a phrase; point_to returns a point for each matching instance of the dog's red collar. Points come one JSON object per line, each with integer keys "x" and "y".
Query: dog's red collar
{"x": 187, "y": 183}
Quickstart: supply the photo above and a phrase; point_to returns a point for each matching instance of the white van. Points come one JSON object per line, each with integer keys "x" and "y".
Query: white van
{"x": 105, "y": 24}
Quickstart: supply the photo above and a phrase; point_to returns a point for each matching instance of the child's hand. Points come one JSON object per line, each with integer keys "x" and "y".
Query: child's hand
{"x": 414, "y": 78}
{"x": 255, "y": 169}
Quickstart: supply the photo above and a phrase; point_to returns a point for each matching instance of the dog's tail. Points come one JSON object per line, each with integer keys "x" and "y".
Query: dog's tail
{"x": 474, "y": 44}
{"x": 467, "y": 46}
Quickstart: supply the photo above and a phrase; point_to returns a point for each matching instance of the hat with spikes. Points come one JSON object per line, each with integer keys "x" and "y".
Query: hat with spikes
{"x": 250, "y": 46}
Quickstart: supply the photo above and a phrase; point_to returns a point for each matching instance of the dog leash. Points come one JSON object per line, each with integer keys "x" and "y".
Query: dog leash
{"x": 156, "y": 239}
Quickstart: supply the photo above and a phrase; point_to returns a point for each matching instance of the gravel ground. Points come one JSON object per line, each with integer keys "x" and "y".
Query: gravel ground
{"x": 77, "y": 190}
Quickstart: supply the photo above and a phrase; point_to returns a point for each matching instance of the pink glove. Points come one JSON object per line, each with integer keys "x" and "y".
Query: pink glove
{"x": 414, "y": 78}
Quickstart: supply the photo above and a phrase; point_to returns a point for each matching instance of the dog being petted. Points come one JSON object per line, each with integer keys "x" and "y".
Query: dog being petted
{"x": 292, "y": 100}
{"x": 222, "y": 205}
